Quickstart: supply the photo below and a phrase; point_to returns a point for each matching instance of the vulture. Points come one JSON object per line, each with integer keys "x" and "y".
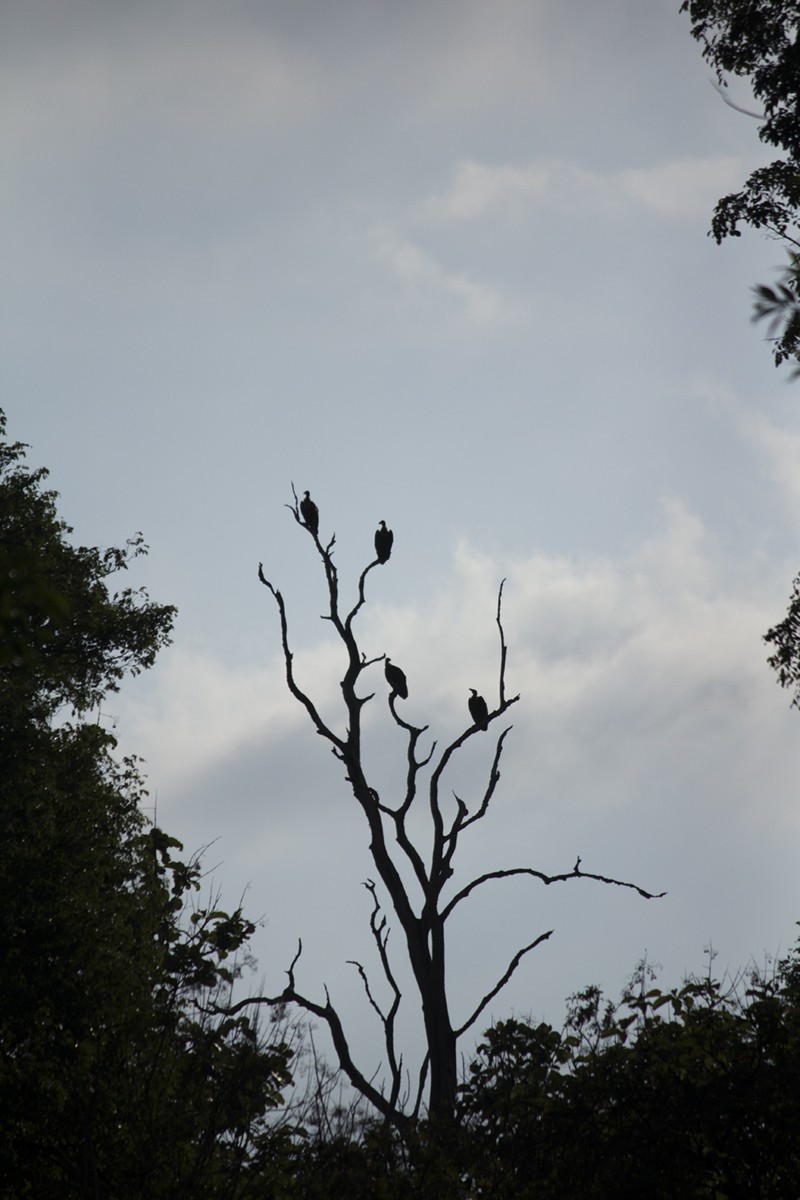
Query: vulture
{"x": 383, "y": 542}
{"x": 310, "y": 513}
{"x": 478, "y": 710}
{"x": 396, "y": 680}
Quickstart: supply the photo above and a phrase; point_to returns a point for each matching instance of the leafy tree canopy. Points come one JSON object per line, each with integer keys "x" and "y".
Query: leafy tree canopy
{"x": 686, "y": 1092}
{"x": 65, "y": 640}
{"x": 758, "y": 40}
{"x": 690, "y": 1092}
{"x": 117, "y": 1078}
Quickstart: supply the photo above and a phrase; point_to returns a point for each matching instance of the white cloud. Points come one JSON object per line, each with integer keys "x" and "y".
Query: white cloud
{"x": 683, "y": 187}
{"x": 650, "y": 738}
{"x": 781, "y": 448}
{"x": 202, "y": 711}
{"x": 468, "y": 301}
{"x": 656, "y": 655}
{"x": 777, "y": 446}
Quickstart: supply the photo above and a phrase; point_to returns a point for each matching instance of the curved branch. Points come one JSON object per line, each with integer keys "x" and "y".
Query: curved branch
{"x": 747, "y": 112}
{"x": 361, "y": 595}
{"x": 575, "y": 873}
{"x": 417, "y": 729}
{"x": 353, "y": 962}
{"x": 297, "y": 692}
{"x": 329, "y": 1015}
{"x": 512, "y": 966}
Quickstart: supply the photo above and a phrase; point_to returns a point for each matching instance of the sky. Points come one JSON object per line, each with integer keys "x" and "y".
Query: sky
{"x": 447, "y": 265}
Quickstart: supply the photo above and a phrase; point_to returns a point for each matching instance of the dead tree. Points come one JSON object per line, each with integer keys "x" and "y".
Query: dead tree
{"x": 421, "y": 908}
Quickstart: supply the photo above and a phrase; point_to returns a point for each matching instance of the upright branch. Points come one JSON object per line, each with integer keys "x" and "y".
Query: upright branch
{"x": 380, "y": 935}
{"x": 416, "y": 899}
{"x": 445, "y": 841}
{"x": 503, "y": 647}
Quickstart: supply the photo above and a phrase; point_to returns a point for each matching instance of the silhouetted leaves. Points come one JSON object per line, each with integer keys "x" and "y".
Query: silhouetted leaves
{"x": 117, "y": 1079}
{"x": 757, "y": 40}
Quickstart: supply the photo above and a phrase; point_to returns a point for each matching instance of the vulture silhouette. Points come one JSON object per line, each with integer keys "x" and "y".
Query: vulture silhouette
{"x": 383, "y": 542}
{"x": 396, "y": 679}
{"x": 478, "y": 710}
{"x": 310, "y": 513}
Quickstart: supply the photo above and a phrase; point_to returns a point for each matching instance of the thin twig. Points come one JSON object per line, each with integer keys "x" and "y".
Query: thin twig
{"x": 747, "y": 112}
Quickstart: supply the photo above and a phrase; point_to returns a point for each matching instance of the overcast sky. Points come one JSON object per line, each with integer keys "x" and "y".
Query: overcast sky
{"x": 446, "y": 264}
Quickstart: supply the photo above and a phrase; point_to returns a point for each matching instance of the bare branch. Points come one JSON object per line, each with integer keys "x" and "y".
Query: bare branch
{"x": 361, "y": 595}
{"x": 352, "y": 962}
{"x": 295, "y": 508}
{"x": 329, "y": 1015}
{"x": 575, "y": 873}
{"x": 423, "y": 1075}
{"x": 440, "y": 861}
{"x": 399, "y": 720}
{"x": 494, "y": 779}
{"x": 422, "y": 927}
{"x": 380, "y": 934}
{"x": 503, "y": 647}
{"x": 718, "y": 88}
{"x": 512, "y": 966}
{"x": 297, "y": 692}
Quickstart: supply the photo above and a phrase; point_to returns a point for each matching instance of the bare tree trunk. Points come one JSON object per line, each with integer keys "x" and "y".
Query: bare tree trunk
{"x": 424, "y": 925}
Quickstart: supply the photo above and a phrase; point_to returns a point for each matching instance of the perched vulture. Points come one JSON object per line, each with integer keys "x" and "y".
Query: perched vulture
{"x": 478, "y": 710}
{"x": 396, "y": 680}
{"x": 383, "y": 542}
{"x": 310, "y": 513}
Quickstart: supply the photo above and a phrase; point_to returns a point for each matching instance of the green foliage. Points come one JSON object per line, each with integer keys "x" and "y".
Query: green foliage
{"x": 691, "y": 1092}
{"x": 780, "y": 307}
{"x": 123, "y": 1076}
{"x": 65, "y": 640}
{"x": 758, "y": 40}
{"x": 785, "y": 638}
{"x": 118, "y": 1078}
{"x": 424, "y": 1164}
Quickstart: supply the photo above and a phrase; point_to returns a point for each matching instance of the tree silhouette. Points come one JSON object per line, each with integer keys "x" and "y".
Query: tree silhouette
{"x": 118, "y": 1077}
{"x": 421, "y": 905}
{"x": 757, "y": 40}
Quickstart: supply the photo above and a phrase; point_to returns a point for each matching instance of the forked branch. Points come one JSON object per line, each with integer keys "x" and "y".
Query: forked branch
{"x": 422, "y": 924}
{"x": 380, "y": 934}
{"x": 327, "y": 1013}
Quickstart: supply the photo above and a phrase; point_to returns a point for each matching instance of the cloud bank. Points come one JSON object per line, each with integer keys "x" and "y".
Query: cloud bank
{"x": 679, "y": 188}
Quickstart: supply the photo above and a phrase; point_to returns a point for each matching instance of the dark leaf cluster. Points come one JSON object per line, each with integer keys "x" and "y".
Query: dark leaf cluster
{"x": 757, "y": 40}
{"x": 64, "y": 639}
{"x": 117, "y": 1078}
{"x": 688, "y": 1092}
{"x": 785, "y": 640}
